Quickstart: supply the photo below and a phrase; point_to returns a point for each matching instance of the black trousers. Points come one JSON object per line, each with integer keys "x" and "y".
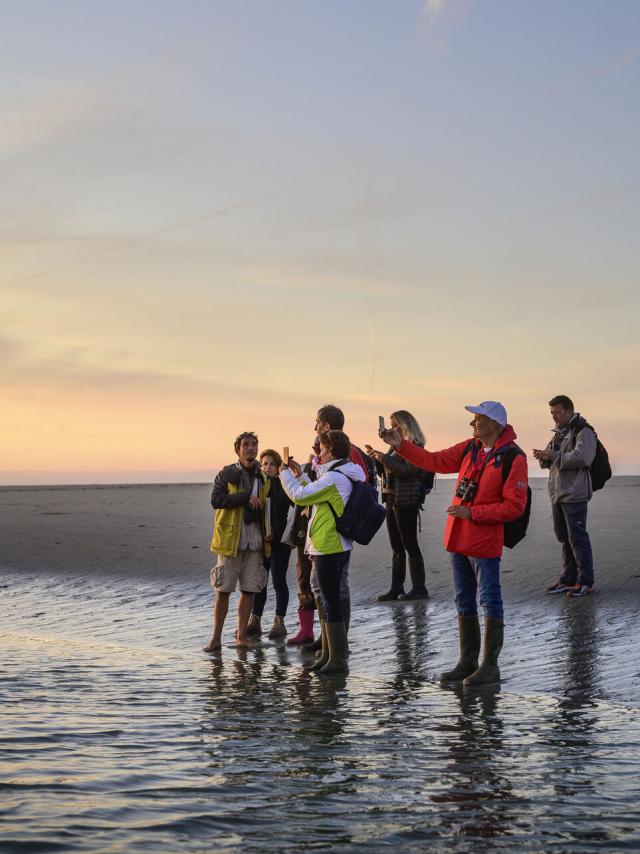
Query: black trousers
{"x": 402, "y": 526}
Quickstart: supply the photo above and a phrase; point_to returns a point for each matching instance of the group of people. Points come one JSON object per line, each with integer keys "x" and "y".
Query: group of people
{"x": 267, "y": 506}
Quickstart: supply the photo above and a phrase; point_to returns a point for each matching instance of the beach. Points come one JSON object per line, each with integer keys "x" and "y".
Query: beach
{"x": 119, "y": 734}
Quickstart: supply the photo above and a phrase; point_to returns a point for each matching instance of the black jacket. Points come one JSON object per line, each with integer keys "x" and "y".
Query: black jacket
{"x": 280, "y": 504}
{"x": 402, "y": 479}
{"x": 237, "y": 475}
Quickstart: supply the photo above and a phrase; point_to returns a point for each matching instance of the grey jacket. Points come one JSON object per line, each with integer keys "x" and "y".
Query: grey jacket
{"x": 402, "y": 479}
{"x": 569, "y": 475}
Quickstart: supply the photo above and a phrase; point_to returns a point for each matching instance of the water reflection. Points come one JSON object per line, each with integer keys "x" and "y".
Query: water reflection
{"x": 479, "y": 784}
{"x": 578, "y": 635}
{"x": 574, "y": 725}
{"x": 411, "y": 634}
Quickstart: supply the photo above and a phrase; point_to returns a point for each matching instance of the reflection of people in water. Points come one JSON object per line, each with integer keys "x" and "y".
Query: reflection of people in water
{"x": 580, "y": 628}
{"x": 285, "y": 722}
{"x": 411, "y": 641}
{"x": 574, "y": 723}
{"x": 411, "y": 637}
{"x": 479, "y": 786}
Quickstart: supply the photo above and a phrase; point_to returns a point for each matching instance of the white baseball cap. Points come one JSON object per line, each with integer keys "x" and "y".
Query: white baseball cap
{"x": 492, "y": 409}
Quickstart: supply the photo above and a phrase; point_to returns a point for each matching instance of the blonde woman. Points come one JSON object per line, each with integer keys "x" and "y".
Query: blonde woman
{"x": 404, "y": 487}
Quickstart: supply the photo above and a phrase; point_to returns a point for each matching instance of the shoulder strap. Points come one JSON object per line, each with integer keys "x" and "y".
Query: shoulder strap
{"x": 580, "y": 424}
{"x": 471, "y": 446}
{"x": 507, "y": 460}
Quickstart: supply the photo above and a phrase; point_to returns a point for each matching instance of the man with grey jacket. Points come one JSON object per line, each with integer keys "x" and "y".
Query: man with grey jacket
{"x": 568, "y": 457}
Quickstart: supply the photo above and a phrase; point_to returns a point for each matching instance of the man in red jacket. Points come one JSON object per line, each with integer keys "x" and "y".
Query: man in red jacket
{"x": 474, "y": 533}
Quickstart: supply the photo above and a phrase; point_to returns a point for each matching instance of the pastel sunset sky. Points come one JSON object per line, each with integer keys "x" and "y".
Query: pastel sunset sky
{"x": 217, "y": 216}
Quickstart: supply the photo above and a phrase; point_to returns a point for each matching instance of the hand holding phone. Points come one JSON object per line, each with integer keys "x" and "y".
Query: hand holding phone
{"x": 294, "y": 467}
{"x": 285, "y": 454}
{"x": 381, "y": 427}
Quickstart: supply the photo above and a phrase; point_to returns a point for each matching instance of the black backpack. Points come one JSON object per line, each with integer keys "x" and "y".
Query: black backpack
{"x": 363, "y": 514}
{"x": 515, "y": 530}
{"x": 600, "y": 468}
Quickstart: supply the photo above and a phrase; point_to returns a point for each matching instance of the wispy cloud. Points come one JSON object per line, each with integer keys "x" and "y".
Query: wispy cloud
{"x": 432, "y": 8}
{"x": 439, "y": 16}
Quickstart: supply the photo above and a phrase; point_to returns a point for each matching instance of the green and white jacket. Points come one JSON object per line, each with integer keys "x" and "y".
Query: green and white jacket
{"x": 330, "y": 488}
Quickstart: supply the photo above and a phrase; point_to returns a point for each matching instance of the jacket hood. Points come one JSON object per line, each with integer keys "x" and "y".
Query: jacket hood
{"x": 350, "y": 469}
{"x": 507, "y": 436}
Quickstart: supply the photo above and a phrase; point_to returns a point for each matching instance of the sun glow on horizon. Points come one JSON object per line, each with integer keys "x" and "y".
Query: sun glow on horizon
{"x": 226, "y": 245}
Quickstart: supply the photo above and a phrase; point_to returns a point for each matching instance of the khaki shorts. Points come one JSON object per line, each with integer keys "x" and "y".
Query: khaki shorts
{"x": 247, "y": 568}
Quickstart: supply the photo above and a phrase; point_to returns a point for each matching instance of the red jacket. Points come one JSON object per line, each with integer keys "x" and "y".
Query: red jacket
{"x": 356, "y": 457}
{"x": 494, "y": 502}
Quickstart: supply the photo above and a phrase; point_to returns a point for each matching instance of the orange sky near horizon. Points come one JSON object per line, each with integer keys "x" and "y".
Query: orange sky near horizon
{"x": 196, "y": 241}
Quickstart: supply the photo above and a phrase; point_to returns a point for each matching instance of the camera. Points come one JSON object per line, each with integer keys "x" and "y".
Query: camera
{"x": 466, "y": 489}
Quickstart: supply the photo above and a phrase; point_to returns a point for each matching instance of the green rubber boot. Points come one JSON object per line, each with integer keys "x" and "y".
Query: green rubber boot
{"x": 337, "y": 637}
{"x": 488, "y": 673}
{"x": 323, "y": 657}
{"x": 469, "y": 632}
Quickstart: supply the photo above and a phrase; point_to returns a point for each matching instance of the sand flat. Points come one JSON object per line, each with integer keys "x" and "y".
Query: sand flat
{"x": 120, "y": 733}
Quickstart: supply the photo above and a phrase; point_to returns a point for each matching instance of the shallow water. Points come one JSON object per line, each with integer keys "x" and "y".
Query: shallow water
{"x": 117, "y": 734}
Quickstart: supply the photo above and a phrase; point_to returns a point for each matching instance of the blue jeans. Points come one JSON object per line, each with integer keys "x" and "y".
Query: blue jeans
{"x": 473, "y": 574}
{"x": 329, "y": 569}
{"x": 570, "y": 526}
{"x": 278, "y": 564}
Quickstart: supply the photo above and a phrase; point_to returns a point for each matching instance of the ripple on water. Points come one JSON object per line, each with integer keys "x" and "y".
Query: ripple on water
{"x": 109, "y": 744}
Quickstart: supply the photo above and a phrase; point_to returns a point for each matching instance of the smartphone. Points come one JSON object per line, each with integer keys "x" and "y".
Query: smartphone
{"x": 285, "y": 454}
{"x": 381, "y": 427}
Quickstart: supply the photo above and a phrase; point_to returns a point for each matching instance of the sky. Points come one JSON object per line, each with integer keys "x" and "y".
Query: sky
{"x": 218, "y": 216}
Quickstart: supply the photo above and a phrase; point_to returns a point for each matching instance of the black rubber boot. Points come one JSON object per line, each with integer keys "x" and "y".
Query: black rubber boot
{"x": 398, "y": 574}
{"x": 488, "y": 673}
{"x": 469, "y": 632}
{"x": 337, "y": 638}
{"x": 416, "y": 571}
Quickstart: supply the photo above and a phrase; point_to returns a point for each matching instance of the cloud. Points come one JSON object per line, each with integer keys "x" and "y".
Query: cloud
{"x": 69, "y": 371}
{"x": 440, "y": 17}
{"x": 432, "y": 8}
{"x": 37, "y": 123}
{"x": 297, "y": 278}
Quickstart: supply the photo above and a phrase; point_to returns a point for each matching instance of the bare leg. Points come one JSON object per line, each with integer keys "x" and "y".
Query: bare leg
{"x": 219, "y": 615}
{"x": 245, "y": 603}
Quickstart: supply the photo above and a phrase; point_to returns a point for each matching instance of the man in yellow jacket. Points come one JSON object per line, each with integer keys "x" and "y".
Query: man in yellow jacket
{"x": 239, "y": 498}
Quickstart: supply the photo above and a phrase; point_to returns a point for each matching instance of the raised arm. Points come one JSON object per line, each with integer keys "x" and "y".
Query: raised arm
{"x": 447, "y": 461}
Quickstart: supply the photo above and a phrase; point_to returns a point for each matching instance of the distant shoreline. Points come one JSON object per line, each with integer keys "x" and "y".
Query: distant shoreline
{"x": 21, "y": 487}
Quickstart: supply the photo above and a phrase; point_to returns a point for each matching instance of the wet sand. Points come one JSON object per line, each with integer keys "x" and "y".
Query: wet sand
{"x": 119, "y": 734}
